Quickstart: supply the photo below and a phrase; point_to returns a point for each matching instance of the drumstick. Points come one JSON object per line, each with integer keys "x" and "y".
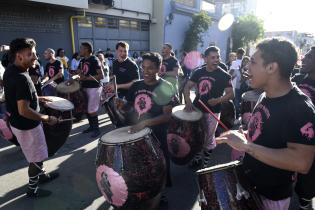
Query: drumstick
{"x": 213, "y": 115}
{"x": 115, "y": 85}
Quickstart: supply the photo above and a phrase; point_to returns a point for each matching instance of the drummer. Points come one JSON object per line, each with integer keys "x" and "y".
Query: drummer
{"x": 305, "y": 186}
{"x": 90, "y": 72}
{"x": 280, "y": 138}
{"x": 53, "y": 72}
{"x": 152, "y": 99}
{"x": 25, "y": 119}
{"x": 213, "y": 87}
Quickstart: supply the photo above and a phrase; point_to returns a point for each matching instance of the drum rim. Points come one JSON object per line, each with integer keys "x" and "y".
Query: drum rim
{"x": 54, "y": 108}
{"x": 70, "y": 92}
{"x": 127, "y": 142}
{"x": 124, "y": 143}
{"x": 219, "y": 167}
{"x": 189, "y": 120}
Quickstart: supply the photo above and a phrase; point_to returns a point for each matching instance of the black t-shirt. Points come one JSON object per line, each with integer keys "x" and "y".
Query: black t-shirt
{"x": 210, "y": 85}
{"x": 306, "y": 85}
{"x": 274, "y": 123}
{"x": 125, "y": 72}
{"x": 52, "y": 69}
{"x": 89, "y": 66}
{"x": 19, "y": 86}
{"x": 148, "y": 100}
{"x": 34, "y": 71}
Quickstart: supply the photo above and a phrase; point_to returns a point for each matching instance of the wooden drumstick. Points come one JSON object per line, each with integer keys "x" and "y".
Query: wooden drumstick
{"x": 65, "y": 120}
{"x": 213, "y": 115}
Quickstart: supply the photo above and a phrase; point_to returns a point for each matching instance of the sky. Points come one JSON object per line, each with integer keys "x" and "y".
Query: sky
{"x": 279, "y": 15}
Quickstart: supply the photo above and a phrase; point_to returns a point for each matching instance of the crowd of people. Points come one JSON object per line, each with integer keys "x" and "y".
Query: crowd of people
{"x": 278, "y": 146}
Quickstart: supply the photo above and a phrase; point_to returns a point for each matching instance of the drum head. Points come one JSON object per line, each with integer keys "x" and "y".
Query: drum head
{"x": 58, "y": 103}
{"x": 180, "y": 113}
{"x": 219, "y": 167}
{"x": 122, "y": 136}
{"x": 69, "y": 86}
{"x": 252, "y": 95}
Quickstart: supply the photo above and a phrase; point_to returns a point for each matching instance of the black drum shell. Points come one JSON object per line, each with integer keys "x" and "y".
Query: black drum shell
{"x": 142, "y": 166}
{"x": 193, "y": 133}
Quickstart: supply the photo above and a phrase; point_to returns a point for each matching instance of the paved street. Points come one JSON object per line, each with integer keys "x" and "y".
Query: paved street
{"x": 76, "y": 188}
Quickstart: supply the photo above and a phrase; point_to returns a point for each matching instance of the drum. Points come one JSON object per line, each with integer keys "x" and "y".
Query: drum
{"x": 130, "y": 169}
{"x": 5, "y": 130}
{"x": 228, "y": 114}
{"x": 186, "y": 136}
{"x": 70, "y": 90}
{"x": 49, "y": 89}
{"x": 249, "y": 100}
{"x": 220, "y": 189}
{"x": 56, "y": 135}
{"x": 118, "y": 118}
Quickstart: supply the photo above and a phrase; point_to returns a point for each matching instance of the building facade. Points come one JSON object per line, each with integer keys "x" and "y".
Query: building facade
{"x": 144, "y": 24}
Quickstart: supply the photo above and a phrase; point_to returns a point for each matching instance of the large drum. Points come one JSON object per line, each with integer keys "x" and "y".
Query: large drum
{"x": 130, "y": 169}
{"x": 249, "y": 100}
{"x": 220, "y": 189}
{"x": 56, "y": 135}
{"x": 186, "y": 135}
{"x": 49, "y": 89}
{"x": 70, "y": 90}
{"x": 117, "y": 117}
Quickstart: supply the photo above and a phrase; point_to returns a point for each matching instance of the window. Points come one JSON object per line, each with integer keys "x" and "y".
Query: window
{"x": 209, "y": 7}
{"x": 112, "y": 23}
{"x": 100, "y": 22}
{"x": 189, "y": 3}
{"x": 135, "y": 25}
{"x": 124, "y": 24}
{"x": 85, "y": 22}
{"x": 145, "y": 26}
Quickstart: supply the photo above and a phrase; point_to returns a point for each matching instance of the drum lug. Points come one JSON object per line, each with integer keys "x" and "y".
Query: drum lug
{"x": 149, "y": 142}
{"x": 202, "y": 199}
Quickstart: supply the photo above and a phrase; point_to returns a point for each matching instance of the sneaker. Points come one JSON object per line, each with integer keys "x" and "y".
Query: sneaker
{"x": 37, "y": 193}
{"x": 95, "y": 133}
{"x": 47, "y": 177}
{"x": 88, "y": 130}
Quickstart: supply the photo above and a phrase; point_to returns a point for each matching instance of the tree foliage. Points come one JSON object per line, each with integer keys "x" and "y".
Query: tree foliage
{"x": 247, "y": 29}
{"x": 200, "y": 23}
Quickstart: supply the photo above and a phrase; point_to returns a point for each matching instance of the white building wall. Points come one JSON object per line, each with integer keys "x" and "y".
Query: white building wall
{"x": 70, "y": 3}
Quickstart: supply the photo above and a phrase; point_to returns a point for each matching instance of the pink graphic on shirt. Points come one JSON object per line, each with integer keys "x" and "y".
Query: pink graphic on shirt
{"x": 51, "y": 71}
{"x": 112, "y": 185}
{"x": 246, "y": 117}
{"x": 255, "y": 126}
{"x": 177, "y": 145}
{"x": 85, "y": 68}
{"x": 204, "y": 87}
{"x": 143, "y": 104}
{"x": 308, "y": 131}
{"x": 306, "y": 92}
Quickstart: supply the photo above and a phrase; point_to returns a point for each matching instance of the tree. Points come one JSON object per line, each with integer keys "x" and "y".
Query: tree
{"x": 247, "y": 29}
{"x": 193, "y": 36}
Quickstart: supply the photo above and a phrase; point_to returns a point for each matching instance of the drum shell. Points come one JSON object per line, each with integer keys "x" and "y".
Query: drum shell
{"x": 140, "y": 164}
{"x": 56, "y": 135}
{"x": 185, "y": 139}
{"x": 117, "y": 118}
{"x": 79, "y": 100}
{"x": 219, "y": 190}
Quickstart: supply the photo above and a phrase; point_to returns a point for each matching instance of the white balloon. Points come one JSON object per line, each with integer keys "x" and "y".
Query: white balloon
{"x": 226, "y": 22}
